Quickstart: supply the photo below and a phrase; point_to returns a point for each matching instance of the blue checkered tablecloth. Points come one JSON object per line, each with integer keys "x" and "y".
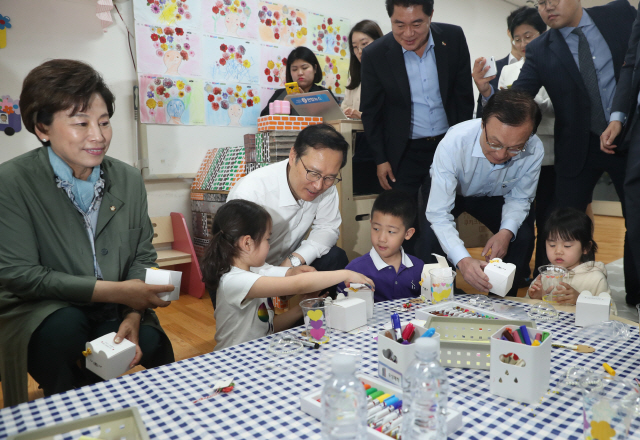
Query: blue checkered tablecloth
{"x": 265, "y": 403}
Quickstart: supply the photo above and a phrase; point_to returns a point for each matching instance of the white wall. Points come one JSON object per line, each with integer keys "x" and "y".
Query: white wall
{"x": 45, "y": 29}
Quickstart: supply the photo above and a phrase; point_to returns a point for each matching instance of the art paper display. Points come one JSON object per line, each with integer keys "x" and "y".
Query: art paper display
{"x": 168, "y": 13}
{"x": 168, "y": 51}
{"x": 230, "y": 17}
{"x": 335, "y": 73}
{"x": 329, "y": 35}
{"x": 231, "y": 60}
{"x": 281, "y": 24}
{"x": 232, "y": 105}
{"x": 171, "y": 100}
{"x": 273, "y": 66}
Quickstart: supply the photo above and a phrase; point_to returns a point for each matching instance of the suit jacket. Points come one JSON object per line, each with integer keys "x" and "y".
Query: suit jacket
{"x": 549, "y": 64}
{"x": 494, "y": 83}
{"x": 386, "y": 95}
{"x": 626, "y": 97}
{"x": 46, "y": 257}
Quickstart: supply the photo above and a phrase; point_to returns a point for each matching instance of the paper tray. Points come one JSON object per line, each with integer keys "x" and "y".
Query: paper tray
{"x": 311, "y": 406}
{"x": 425, "y": 312}
{"x": 115, "y": 425}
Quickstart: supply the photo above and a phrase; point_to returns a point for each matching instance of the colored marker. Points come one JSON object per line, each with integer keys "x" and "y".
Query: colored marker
{"x": 545, "y": 335}
{"x": 520, "y": 334}
{"x": 538, "y": 338}
{"x": 516, "y": 337}
{"x": 507, "y": 334}
{"x": 375, "y": 395}
{"x": 608, "y": 369}
{"x": 378, "y": 399}
{"x": 525, "y": 334}
{"x": 371, "y": 390}
{"x": 389, "y": 418}
{"x": 391, "y": 409}
{"x": 390, "y": 401}
{"x": 408, "y": 332}
{"x": 535, "y": 343}
{"x": 397, "y": 327}
{"x": 429, "y": 333}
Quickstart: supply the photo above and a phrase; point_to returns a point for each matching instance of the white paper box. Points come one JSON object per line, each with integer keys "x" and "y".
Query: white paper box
{"x": 347, "y": 314}
{"x": 108, "y": 359}
{"x": 527, "y": 383}
{"x": 364, "y": 293}
{"x": 425, "y": 282}
{"x": 592, "y": 309}
{"x": 500, "y": 275}
{"x": 394, "y": 358}
{"x": 310, "y": 404}
{"x": 162, "y": 277}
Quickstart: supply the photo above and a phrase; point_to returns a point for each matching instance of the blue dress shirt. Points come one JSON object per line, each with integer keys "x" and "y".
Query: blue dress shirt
{"x": 602, "y": 59}
{"x": 428, "y": 117}
{"x": 460, "y": 167}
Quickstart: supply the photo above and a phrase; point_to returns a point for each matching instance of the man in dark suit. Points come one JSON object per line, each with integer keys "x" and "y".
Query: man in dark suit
{"x": 578, "y": 62}
{"x": 513, "y": 57}
{"x": 626, "y": 101}
{"x": 416, "y": 83}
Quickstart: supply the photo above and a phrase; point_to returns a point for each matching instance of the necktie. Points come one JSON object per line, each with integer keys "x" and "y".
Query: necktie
{"x": 588, "y": 72}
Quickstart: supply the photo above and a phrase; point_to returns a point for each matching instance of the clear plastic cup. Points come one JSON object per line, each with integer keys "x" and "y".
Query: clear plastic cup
{"x": 314, "y": 311}
{"x": 442, "y": 284}
{"x": 551, "y": 277}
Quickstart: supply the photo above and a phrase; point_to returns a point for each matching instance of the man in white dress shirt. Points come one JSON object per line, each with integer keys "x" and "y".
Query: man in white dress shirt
{"x": 300, "y": 194}
{"x": 489, "y": 168}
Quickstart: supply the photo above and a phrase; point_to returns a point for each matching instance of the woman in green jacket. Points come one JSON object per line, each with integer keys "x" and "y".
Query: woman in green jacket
{"x": 75, "y": 240}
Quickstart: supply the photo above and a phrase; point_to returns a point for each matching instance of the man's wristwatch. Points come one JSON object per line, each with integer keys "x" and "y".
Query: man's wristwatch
{"x": 295, "y": 261}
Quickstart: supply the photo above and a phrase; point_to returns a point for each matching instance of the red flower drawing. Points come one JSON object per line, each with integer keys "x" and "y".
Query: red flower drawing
{"x": 250, "y": 103}
{"x": 223, "y": 47}
{"x": 222, "y": 61}
{"x": 215, "y": 106}
{"x": 267, "y": 71}
{"x": 217, "y": 90}
{"x": 163, "y": 40}
{"x": 211, "y": 98}
{"x": 270, "y": 79}
{"x": 154, "y": 37}
{"x": 179, "y": 31}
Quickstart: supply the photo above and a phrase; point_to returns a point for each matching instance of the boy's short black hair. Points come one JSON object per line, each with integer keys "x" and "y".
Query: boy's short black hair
{"x": 398, "y": 204}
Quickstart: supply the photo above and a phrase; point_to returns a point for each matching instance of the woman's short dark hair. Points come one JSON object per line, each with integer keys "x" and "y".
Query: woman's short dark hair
{"x": 569, "y": 224}
{"x": 367, "y": 27}
{"x": 427, "y": 5}
{"x": 529, "y": 16}
{"x": 234, "y": 220}
{"x": 304, "y": 53}
{"x": 318, "y": 137}
{"x": 60, "y": 85}
{"x": 512, "y": 107}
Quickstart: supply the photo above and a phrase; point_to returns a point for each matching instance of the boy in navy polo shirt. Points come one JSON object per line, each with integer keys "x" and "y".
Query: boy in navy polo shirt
{"x": 395, "y": 274}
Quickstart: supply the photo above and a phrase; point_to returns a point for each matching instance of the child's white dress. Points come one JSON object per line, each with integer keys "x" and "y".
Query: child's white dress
{"x": 239, "y": 321}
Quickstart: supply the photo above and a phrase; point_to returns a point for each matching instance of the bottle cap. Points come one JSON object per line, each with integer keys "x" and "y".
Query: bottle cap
{"x": 427, "y": 345}
{"x": 343, "y": 363}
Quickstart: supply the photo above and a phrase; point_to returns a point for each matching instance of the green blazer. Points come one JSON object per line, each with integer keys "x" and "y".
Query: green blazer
{"x": 46, "y": 259}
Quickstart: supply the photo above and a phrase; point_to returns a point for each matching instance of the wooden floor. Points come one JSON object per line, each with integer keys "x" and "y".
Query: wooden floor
{"x": 190, "y": 325}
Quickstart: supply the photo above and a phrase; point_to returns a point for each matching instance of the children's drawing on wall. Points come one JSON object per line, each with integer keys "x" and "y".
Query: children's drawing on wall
{"x": 335, "y": 71}
{"x": 237, "y": 18}
{"x": 231, "y": 59}
{"x": 171, "y": 100}
{"x": 10, "y": 121}
{"x": 273, "y": 65}
{"x": 5, "y": 23}
{"x": 232, "y": 105}
{"x": 280, "y": 24}
{"x": 182, "y": 13}
{"x": 329, "y": 35}
{"x": 168, "y": 51}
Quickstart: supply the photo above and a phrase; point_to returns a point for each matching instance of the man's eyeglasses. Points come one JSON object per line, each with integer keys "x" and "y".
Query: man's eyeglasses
{"x": 511, "y": 150}
{"x": 542, "y": 4}
{"x": 527, "y": 38}
{"x": 314, "y": 176}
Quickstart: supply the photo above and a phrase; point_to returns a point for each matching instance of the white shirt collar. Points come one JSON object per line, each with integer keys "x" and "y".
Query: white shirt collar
{"x": 512, "y": 59}
{"x": 380, "y": 264}
{"x": 286, "y": 196}
{"x": 430, "y": 45}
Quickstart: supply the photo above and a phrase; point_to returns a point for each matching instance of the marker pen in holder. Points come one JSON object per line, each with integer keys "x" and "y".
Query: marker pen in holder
{"x": 397, "y": 326}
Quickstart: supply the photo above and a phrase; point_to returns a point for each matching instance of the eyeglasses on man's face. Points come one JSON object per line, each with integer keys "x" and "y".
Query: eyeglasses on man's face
{"x": 314, "y": 176}
{"x": 542, "y": 4}
{"x": 517, "y": 149}
{"x": 526, "y": 38}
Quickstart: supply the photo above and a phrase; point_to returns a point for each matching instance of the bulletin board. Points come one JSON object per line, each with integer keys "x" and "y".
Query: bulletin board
{"x": 46, "y": 29}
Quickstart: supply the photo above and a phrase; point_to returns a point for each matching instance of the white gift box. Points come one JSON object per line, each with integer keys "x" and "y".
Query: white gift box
{"x": 162, "y": 277}
{"x": 425, "y": 282}
{"x": 347, "y": 314}
{"x": 108, "y": 359}
{"x": 500, "y": 275}
{"x": 361, "y": 291}
{"x": 525, "y": 383}
{"x": 592, "y": 309}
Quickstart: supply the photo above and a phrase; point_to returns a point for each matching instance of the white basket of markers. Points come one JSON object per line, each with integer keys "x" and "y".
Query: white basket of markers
{"x": 520, "y": 363}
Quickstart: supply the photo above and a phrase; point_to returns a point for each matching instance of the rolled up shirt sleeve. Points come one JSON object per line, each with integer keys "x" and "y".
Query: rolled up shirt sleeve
{"x": 441, "y": 202}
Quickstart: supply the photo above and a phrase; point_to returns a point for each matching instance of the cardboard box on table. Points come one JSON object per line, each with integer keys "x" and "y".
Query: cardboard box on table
{"x": 361, "y": 291}
{"x": 162, "y": 277}
{"x": 526, "y": 383}
{"x": 592, "y": 309}
{"x": 347, "y": 314}
{"x": 500, "y": 275}
{"x": 425, "y": 282}
{"x": 472, "y": 232}
{"x": 108, "y": 359}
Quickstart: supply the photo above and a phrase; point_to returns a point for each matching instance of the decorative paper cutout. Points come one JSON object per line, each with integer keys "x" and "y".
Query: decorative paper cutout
{"x": 233, "y": 105}
{"x": 10, "y": 121}
{"x": 103, "y": 12}
{"x": 237, "y": 18}
{"x": 282, "y": 25}
{"x": 231, "y": 60}
{"x": 315, "y": 315}
{"x": 168, "y": 51}
{"x": 329, "y": 35}
{"x": 335, "y": 71}
{"x": 171, "y": 100}
{"x": 273, "y": 65}
{"x": 182, "y": 13}
{"x": 4, "y": 25}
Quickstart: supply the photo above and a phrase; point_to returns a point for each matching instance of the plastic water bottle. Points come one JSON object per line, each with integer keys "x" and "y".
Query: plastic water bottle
{"x": 344, "y": 402}
{"x": 424, "y": 395}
